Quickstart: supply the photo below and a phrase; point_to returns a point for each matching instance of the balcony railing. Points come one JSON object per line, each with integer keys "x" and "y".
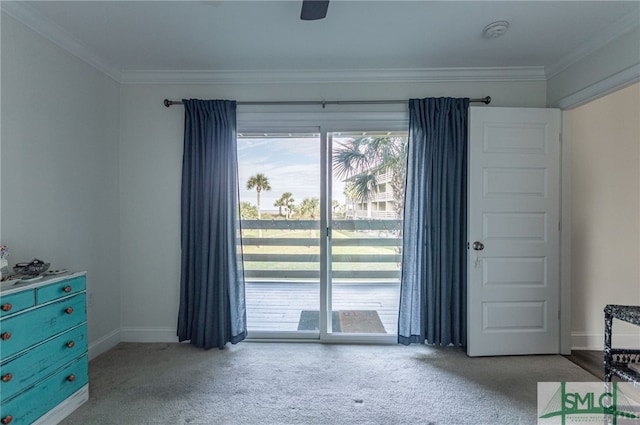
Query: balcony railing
{"x": 362, "y": 250}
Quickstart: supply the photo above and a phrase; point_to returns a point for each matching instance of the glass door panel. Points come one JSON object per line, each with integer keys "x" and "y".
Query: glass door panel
{"x": 368, "y": 176}
{"x": 280, "y": 210}
{"x": 285, "y": 250}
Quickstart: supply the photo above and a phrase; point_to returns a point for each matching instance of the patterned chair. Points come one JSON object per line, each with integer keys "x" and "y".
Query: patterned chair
{"x": 621, "y": 362}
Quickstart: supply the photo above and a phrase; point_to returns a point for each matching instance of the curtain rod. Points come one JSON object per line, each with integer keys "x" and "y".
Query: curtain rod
{"x": 486, "y": 100}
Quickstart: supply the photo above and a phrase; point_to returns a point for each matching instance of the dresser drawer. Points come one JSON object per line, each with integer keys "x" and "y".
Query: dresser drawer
{"x": 45, "y": 395}
{"x": 30, "y": 367}
{"x": 19, "y": 332}
{"x": 60, "y": 289}
{"x": 10, "y": 304}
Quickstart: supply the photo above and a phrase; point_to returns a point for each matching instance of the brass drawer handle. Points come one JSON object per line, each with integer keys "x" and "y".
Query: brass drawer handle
{"x": 71, "y": 344}
{"x": 71, "y": 378}
{"x": 67, "y": 289}
{"x": 6, "y": 307}
{"x": 68, "y": 310}
{"x": 7, "y": 419}
{"x": 6, "y": 378}
{"x": 5, "y": 336}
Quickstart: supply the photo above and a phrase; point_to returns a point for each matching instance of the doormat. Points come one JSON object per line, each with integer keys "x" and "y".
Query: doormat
{"x": 310, "y": 321}
{"x": 345, "y": 321}
{"x": 361, "y": 321}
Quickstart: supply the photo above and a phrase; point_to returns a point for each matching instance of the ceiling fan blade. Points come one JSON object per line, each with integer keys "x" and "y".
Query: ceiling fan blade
{"x": 314, "y": 9}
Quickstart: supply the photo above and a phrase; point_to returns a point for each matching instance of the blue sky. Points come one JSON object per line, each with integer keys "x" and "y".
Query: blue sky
{"x": 290, "y": 164}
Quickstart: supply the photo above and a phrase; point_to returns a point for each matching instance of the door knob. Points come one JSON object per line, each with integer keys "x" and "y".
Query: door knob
{"x": 478, "y": 246}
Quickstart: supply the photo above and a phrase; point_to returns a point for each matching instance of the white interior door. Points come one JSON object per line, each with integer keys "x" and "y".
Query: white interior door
{"x": 513, "y": 233}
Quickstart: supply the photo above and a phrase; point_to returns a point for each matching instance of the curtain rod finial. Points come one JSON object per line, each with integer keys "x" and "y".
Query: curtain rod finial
{"x": 167, "y": 103}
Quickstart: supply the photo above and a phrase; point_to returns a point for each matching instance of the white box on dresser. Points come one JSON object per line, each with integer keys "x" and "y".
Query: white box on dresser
{"x": 43, "y": 349}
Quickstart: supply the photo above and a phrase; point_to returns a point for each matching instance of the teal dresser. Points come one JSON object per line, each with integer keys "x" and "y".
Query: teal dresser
{"x": 43, "y": 350}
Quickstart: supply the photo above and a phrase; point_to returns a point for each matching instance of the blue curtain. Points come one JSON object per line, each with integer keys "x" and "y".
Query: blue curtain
{"x": 212, "y": 299}
{"x": 433, "y": 294}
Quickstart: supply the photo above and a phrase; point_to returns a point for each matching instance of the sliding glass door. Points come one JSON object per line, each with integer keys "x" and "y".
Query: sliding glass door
{"x": 321, "y": 231}
{"x": 368, "y": 176}
{"x": 280, "y": 210}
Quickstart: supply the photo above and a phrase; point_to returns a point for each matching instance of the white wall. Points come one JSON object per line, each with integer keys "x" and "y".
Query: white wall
{"x": 605, "y": 198}
{"x": 60, "y": 200}
{"x": 150, "y": 167}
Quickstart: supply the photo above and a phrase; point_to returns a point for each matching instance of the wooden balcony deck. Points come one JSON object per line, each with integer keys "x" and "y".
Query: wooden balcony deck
{"x": 282, "y": 264}
{"x": 276, "y": 306}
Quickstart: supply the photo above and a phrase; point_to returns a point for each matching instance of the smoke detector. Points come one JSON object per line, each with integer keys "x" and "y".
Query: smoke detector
{"x": 495, "y": 29}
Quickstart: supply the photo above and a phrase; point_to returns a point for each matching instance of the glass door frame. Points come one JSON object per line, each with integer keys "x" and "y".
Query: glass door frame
{"x": 327, "y": 123}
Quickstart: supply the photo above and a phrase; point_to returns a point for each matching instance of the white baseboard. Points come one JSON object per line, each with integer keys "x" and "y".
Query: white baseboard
{"x": 595, "y": 341}
{"x": 579, "y": 340}
{"x": 144, "y": 334}
{"x": 104, "y": 344}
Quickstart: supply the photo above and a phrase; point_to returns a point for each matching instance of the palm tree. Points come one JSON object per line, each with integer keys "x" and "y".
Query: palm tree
{"x": 286, "y": 201}
{"x": 359, "y": 161}
{"x": 310, "y": 207}
{"x": 260, "y": 182}
{"x": 291, "y": 209}
{"x": 248, "y": 211}
{"x": 350, "y": 195}
{"x": 279, "y": 203}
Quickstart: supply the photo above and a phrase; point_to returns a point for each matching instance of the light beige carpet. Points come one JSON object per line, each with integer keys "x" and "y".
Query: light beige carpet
{"x": 309, "y": 383}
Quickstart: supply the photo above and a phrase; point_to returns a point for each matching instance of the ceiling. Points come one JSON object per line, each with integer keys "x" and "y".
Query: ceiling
{"x": 183, "y": 36}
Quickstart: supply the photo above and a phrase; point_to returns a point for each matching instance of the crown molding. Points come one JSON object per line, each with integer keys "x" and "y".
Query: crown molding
{"x": 615, "y": 82}
{"x": 622, "y": 26}
{"x": 284, "y": 76}
{"x": 25, "y": 14}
